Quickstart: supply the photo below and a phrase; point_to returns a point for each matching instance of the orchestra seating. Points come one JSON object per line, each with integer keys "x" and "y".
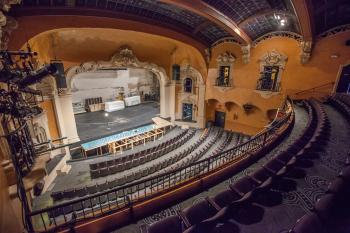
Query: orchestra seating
{"x": 175, "y": 152}
{"x": 210, "y": 213}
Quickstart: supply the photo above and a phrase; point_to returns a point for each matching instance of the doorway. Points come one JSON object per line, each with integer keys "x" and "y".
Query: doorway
{"x": 187, "y": 110}
{"x": 344, "y": 80}
{"x": 220, "y": 119}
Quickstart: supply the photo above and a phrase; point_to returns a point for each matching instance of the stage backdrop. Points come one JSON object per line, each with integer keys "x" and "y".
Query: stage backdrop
{"x": 109, "y": 84}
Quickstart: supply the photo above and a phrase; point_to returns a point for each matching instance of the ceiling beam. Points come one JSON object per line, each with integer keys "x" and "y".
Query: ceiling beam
{"x": 201, "y": 8}
{"x": 303, "y": 11}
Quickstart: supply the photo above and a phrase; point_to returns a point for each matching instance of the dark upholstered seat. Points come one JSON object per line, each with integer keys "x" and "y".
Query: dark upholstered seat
{"x": 225, "y": 197}
{"x": 309, "y": 224}
{"x": 244, "y": 186}
{"x": 198, "y": 212}
{"x": 275, "y": 167}
{"x": 325, "y": 205}
{"x": 345, "y": 173}
{"x": 260, "y": 175}
{"x": 172, "y": 224}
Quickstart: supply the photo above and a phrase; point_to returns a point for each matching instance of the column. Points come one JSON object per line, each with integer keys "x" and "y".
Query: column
{"x": 201, "y": 106}
{"x": 65, "y": 115}
{"x": 172, "y": 101}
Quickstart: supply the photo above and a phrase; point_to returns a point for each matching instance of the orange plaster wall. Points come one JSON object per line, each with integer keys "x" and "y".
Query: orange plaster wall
{"x": 77, "y": 45}
{"x": 48, "y": 107}
{"x": 9, "y": 221}
{"x": 296, "y": 77}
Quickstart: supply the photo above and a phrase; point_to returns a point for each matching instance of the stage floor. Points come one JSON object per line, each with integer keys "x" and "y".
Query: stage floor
{"x": 92, "y": 125}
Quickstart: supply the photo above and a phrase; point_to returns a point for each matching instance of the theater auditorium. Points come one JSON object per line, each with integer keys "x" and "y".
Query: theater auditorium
{"x": 175, "y": 116}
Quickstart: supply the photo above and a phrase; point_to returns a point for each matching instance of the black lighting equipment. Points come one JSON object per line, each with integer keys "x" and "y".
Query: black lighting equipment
{"x": 59, "y": 76}
{"x": 17, "y": 106}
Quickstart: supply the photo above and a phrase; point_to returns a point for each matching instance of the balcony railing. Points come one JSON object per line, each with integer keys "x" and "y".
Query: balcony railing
{"x": 118, "y": 198}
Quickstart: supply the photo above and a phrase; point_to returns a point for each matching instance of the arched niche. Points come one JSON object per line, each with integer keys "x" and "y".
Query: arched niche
{"x": 230, "y": 106}
{"x": 125, "y": 58}
{"x": 250, "y": 108}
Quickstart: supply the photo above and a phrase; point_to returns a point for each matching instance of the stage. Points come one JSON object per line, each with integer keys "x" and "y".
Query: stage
{"x": 93, "y": 125}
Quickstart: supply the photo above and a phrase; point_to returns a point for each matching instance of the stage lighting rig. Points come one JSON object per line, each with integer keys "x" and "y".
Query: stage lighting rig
{"x": 18, "y": 73}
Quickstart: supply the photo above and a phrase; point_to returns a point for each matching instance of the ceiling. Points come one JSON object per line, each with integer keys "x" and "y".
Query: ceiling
{"x": 253, "y": 18}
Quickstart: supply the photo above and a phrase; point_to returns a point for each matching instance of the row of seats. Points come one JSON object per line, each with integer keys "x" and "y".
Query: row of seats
{"x": 80, "y": 192}
{"x": 138, "y": 155}
{"x": 204, "y": 215}
{"x": 341, "y": 102}
{"x": 113, "y": 169}
{"x": 345, "y": 98}
{"x": 198, "y": 151}
{"x": 332, "y": 207}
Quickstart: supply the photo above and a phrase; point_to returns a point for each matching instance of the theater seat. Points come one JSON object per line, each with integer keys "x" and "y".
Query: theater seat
{"x": 172, "y": 224}
{"x": 244, "y": 187}
{"x": 198, "y": 212}
{"x": 309, "y": 223}
{"x": 225, "y": 197}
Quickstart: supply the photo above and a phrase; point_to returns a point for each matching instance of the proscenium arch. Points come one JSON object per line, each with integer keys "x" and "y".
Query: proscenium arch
{"x": 159, "y": 73}
{"x": 42, "y": 23}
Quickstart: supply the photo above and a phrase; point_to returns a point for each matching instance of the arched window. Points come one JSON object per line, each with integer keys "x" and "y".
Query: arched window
{"x": 188, "y": 85}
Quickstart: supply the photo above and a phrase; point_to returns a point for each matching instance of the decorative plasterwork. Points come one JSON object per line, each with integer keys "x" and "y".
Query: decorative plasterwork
{"x": 306, "y": 49}
{"x": 226, "y": 59}
{"x": 285, "y": 34}
{"x": 226, "y": 40}
{"x": 7, "y": 25}
{"x": 245, "y": 54}
{"x": 273, "y": 58}
{"x": 187, "y": 71}
{"x": 336, "y": 30}
{"x": 124, "y": 58}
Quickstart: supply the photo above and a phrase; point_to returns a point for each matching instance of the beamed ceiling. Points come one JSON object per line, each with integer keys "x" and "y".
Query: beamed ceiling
{"x": 207, "y": 21}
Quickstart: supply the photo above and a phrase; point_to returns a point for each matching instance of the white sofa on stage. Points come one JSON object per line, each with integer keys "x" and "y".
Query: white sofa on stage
{"x": 114, "y": 106}
{"x": 133, "y": 100}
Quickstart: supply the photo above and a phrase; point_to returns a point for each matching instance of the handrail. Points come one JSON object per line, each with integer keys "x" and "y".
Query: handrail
{"x": 313, "y": 88}
{"x": 129, "y": 194}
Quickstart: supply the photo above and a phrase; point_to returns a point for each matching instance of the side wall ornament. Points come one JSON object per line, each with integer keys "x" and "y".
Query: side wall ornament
{"x": 246, "y": 54}
{"x": 306, "y": 49}
{"x": 7, "y": 24}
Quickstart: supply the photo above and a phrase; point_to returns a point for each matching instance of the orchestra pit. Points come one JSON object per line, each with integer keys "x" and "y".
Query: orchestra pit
{"x": 175, "y": 116}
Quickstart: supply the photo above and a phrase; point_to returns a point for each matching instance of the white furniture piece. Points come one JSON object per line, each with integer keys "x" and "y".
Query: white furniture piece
{"x": 133, "y": 100}
{"x": 114, "y": 106}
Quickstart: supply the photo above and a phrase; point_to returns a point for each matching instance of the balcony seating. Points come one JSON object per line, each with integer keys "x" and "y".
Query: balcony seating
{"x": 243, "y": 189}
{"x": 198, "y": 212}
{"x": 172, "y": 224}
